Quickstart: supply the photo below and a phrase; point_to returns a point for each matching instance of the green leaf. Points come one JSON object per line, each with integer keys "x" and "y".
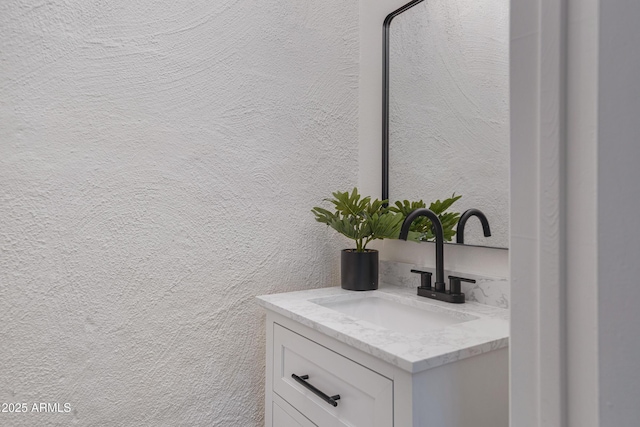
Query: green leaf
{"x": 421, "y": 228}
{"x": 363, "y": 220}
{"x": 439, "y": 207}
{"x": 358, "y": 218}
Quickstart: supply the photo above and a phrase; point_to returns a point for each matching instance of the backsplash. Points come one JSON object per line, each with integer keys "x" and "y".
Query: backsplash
{"x": 492, "y": 291}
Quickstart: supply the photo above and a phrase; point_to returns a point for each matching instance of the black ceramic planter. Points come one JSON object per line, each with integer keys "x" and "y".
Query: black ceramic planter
{"x": 359, "y": 270}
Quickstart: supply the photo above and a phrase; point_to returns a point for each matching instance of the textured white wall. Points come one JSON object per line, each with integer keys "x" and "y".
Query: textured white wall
{"x": 449, "y": 109}
{"x": 158, "y": 162}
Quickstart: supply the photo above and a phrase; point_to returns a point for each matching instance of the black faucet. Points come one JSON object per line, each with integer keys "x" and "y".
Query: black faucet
{"x": 425, "y": 289}
{"x": 463, "y": 221}
{"x": 437, "y": 230}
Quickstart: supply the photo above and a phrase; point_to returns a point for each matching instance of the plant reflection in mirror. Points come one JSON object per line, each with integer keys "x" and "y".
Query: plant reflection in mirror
{"x": 420, "y": 230}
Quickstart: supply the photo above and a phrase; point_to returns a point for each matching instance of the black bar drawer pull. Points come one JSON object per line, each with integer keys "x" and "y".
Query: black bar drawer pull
{"x": 331, "y": 400}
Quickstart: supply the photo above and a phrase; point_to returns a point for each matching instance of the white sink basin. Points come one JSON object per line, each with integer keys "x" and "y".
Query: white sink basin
{"x": 398, "y": 314}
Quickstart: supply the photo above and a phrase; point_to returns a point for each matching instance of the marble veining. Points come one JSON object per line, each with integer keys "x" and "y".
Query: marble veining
{"x": 492, "y": 291}
{"x": 413, "y": 352}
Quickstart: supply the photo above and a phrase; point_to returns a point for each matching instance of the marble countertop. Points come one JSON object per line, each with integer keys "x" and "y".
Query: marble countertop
{"x": 413, "y": 352}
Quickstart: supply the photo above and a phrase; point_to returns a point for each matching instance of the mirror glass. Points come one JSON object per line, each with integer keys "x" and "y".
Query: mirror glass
{"x": 448, "y": 109}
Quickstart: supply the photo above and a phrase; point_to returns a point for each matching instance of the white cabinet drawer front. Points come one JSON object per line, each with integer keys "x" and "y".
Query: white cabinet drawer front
{"x": 366, "y": 397}
{"x": 284, "y": 415}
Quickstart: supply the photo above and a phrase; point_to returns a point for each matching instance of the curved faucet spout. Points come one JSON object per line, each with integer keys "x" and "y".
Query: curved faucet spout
{"x": 463, "y": 221}
{"x": 438, "y": 231}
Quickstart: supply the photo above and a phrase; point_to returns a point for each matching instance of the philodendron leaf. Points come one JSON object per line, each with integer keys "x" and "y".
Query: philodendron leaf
{"x": 324, "y": 216}
{"x": 439, "y": 207}
{"x": 421, "y": 227}
{"x": 387, "y": 225}
{"x": 349, "y": 204}
{"x": 359, "y": 218}
{"x": 406, "y": 207}
{"x": 346, "y": 227}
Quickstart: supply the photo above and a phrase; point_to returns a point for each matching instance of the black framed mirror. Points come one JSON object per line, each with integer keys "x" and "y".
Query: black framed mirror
{"x": 445, "y": 126}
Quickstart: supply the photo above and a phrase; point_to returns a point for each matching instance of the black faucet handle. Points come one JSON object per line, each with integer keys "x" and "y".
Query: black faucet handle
{"x": 425, "y": 278}
{"x": 454, "y": 284}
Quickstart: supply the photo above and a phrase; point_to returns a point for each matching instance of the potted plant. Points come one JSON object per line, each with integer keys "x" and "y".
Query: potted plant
{"x": 363, "y": 221}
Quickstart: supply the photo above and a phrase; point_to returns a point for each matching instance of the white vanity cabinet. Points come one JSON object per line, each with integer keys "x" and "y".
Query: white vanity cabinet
{"x": 472, "y": 392}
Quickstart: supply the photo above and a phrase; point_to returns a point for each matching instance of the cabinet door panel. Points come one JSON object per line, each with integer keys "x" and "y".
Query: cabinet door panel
{"x": 366, "y": 397}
